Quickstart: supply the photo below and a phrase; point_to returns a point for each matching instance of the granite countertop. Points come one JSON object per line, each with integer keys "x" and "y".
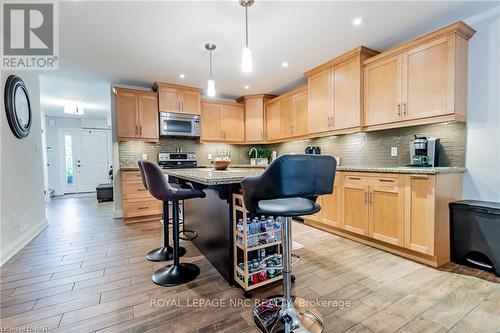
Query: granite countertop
{"x": 418, "y": 170}
{"x": 246, "y": 166}
{"x": 209, "y": 176}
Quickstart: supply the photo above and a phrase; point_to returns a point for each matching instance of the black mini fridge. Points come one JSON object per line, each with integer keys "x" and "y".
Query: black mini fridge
{"x": 475, "y": 234}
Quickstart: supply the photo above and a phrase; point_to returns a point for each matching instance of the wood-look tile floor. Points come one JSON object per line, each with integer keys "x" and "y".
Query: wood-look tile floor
{"x": 87, "y": 273}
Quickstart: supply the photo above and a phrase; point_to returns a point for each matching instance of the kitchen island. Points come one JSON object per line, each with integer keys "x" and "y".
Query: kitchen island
{"x": 211, "y": 217}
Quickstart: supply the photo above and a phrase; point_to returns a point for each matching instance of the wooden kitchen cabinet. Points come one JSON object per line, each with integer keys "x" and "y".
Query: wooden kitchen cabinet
{"x": 330, "y": 206}
{"x": 211, "y": 124}
{"x": 383, "y": 84}
{"x": 222, "y": 121}
{"x": 287, "y": 115}
{"x": 335, "y": 93}
{"x": 177, "y": 98}
{"x": 420, "y": 82}
{"x": 355, "y": 213}
{"x": 419, "y": 231}
{"x": 405, "y": 214}
{"x": 273, "y": 121}
{"x": 386, "y": 209}
{"x": 137, "y": 204}
{"x": 255, "y": 117}
{"x": 136, "y": 115}
{"x": 233, "y": 118}
{"x": 300, "y": 123}
{"x": 320, "y": 102}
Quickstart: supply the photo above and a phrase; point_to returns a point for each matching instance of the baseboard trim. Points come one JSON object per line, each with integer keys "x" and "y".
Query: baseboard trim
{"x": 20, "y": 243}
{"x": 118, "y": 214}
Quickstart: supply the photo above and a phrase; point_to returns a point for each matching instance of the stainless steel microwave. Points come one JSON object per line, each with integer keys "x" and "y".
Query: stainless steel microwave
{"x": 178, "y": 124}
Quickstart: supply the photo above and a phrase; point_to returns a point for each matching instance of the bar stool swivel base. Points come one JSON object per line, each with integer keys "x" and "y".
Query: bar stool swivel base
{"x": 174, "y": 275}
{"x": 164, "y": 253}
{"x": 273, "y": 316}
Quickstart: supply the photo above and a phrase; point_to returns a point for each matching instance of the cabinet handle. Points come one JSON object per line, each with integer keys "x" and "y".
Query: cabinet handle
{"x": 140, "y": 130}
{"x": 404, "y": 108}
{"x": 370, "y": 197}
{"x": 399, "y": 109}
{"x": 182, "y": 105}
{"x": 419, "y": 177}
{"x": 262, "y": 135}
{"x": 386, "y": 180}
{"x": 144, "y": 207}
{"x": 354, "y": 178}
{"x": 333, "y": 121}
{"x": 366, "y": 197}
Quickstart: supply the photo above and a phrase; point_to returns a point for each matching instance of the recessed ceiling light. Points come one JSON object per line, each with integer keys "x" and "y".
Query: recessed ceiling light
{"x": 284, "y": 64}
{"x": 182, "y": 76}
{"x": 247, "y": 86}
{"x": 357, "y": 21}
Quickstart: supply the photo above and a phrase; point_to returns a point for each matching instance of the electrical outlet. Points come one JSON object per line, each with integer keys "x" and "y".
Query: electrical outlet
{"x": 144, "y": 156}
{"x": 394, "y": 151}
{"x": 209, "y": 156}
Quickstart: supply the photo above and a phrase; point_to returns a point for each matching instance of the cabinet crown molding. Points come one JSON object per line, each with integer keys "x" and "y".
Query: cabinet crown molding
{"x": 221, "y": 102}
{"x": 360, "y": 50}
{"x": 245, "y": 97}
{"x": 157, "y": 85}
{"x": 459, "y": 28}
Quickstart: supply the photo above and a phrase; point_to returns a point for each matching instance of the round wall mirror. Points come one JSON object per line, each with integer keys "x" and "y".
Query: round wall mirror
{"x": 17, "y": 106}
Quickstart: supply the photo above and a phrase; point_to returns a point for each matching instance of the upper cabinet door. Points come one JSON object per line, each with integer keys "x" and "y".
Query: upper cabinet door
{"x": 428, "y": 84}
{"x": 300, "y": 115}
{"x": 190, "y": 102}
{"x": 346, "y": 90}
{"x": 286, "y": 109}
{"x": 169, "y": 99}
{"x": 233, "y": 123}
{"x": 126, "y": 114}
{"x": 254, "y": 120}
{"x": 273, "y": 121}
{"x": 320, "y": 102}
{"x": 148, "y": 111}
{"x": 211, "y": 122}
{"x": 383, "y": 91}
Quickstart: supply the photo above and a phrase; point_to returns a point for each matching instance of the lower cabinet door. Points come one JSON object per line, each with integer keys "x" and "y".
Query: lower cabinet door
{"x": 138, "y": 208}
{"x": 330, "y": 207}
{"x": 419, "y": 217}
{"x": 355, "y": 208}
{"x": 386, "y": 214}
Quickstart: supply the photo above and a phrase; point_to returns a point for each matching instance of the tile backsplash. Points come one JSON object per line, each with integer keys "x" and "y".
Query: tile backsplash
{"x": 368, "y": 149}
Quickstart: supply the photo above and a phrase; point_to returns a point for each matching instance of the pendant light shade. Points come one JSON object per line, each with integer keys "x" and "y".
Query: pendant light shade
{"x": 246, "y": 54}
{"x": 211, "y": 88}
{"x": 211, "y": 82}
{"x": 246, "y": 60}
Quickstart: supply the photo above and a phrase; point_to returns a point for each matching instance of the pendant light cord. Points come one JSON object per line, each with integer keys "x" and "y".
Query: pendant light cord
{"x": 246, "y": 26}
{"x": 211, "y": 74}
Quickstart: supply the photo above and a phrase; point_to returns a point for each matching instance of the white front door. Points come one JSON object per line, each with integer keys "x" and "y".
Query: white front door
{"x": 86, "y": 160}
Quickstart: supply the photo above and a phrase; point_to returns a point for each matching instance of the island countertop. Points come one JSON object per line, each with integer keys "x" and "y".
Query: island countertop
{"x": 209, "y": 176}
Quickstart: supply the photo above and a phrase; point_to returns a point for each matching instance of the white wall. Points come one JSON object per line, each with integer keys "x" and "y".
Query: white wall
{"x": 22, "y": 202}
{"x": 482, "y": 179}
{"x": 54, "y": 126}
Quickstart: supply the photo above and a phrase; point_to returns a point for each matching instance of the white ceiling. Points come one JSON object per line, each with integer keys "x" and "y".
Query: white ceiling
{"x": 138, "y": 43}
{"x": 91, "y": 95}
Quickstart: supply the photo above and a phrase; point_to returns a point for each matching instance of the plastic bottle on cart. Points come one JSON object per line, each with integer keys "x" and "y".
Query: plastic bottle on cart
{"x": 249, "y": 226}
{"x": 263, "y": 222}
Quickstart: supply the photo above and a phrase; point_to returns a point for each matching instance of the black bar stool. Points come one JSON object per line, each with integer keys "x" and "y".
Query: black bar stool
{"x": 159, "y": 187}
{"x": 289, "y": 187}
{"x": 165, "y": 252}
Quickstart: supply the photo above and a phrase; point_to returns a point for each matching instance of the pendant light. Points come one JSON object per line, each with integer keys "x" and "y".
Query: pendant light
{"x": 211, "y": 83}
{"x": 246, "y": 55}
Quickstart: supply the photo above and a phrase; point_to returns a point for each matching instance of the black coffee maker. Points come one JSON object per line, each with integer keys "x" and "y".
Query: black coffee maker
{"x": 313, "y": 150}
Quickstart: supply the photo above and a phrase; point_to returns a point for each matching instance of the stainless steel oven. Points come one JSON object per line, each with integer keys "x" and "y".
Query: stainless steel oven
{"x": 178, "y": 124}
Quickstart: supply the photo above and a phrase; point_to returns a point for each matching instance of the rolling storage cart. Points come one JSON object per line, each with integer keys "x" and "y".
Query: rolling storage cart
{"x": 257, "y": 248}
